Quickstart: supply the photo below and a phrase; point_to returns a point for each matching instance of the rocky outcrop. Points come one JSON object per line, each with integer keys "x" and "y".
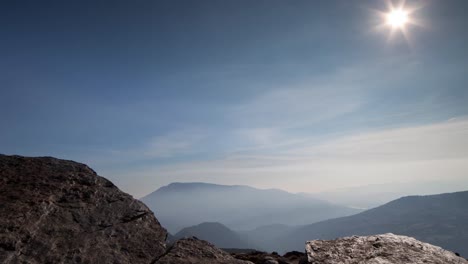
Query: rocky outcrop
{"x": 378, "y": 249}
{"x": 259, "y": 257}
{"x": 193, "y": 250}
{"x": 57, "y": 211}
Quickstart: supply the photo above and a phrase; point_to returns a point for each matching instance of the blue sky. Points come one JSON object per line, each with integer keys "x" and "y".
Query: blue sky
{"x": 298, "y": 95}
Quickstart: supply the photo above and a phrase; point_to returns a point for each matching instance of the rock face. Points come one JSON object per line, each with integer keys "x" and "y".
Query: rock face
{"x": 378, "y": 249}
{"x": 258, "y": 257}
{"x": 193, "y": 251}
{"x": 57, "y": 211}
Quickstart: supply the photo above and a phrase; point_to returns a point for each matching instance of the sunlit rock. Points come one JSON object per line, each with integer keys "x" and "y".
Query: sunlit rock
{"x": 378, "y": 249}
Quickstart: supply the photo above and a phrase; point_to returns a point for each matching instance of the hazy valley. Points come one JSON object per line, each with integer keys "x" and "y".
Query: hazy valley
{"x": 238, "y": 207}
{"x": 214, "y": 213}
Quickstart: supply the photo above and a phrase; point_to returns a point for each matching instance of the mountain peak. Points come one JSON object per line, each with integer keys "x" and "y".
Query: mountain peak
{"x": 183, "y": 186}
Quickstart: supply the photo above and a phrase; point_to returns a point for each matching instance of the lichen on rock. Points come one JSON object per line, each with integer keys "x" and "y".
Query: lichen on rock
{"x": 378, "y": 249}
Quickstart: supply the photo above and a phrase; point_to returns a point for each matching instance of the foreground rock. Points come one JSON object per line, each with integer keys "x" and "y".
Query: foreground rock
{"x": 259, "y": 257}
{"x": 378, "y": 249}
{"x": 57, "y": 211}
{"x": 193, "y": 250}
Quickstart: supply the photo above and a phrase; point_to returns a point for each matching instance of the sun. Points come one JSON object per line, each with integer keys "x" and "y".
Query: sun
{"x": 397, "y": 18}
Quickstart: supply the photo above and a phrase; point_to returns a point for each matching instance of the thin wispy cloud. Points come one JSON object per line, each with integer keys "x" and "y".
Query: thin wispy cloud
{"x": 304, "y": 102}
{"x": 171, "y": 145}
{"x": 416, "y": 153}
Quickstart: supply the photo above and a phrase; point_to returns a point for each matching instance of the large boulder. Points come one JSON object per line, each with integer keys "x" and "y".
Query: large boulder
{"x": 193, "y": 251}
{"x": 58, "y": 211}
{"x": 378, "y": 249}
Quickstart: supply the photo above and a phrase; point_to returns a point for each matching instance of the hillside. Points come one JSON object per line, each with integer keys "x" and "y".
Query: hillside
{"x": 437, "y": 219}
{"x": 215, "y": 233}
{"x": 266, "y": 237}
{"x": 180, "y": 205}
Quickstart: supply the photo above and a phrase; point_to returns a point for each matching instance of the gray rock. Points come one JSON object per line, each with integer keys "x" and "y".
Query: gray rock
{"x": 270, "y": 260}
{"x": 378, "y": 249}
{"x": 193, "y": 250}
{"x": 259, "y": 257}
{"x": 57, "y": 211}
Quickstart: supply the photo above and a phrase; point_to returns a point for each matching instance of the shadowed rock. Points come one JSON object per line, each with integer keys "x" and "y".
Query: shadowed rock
{"x": 259, "y": 257}
{"x": 193, "y": 250}
{"x": 378, "y": 249}
{"x": 57, "y": 211}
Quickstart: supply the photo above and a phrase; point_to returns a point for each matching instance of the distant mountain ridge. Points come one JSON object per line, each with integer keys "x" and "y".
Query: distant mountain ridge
{"x": 373, "y": 195}
{"x": 440, "y": 219}
{"x": 239, "y": 207}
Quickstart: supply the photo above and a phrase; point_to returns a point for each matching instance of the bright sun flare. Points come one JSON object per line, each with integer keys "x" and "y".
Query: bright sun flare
{"x": 397, "y": 18}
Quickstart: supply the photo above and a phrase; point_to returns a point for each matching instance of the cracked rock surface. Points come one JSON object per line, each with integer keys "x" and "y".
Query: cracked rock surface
{"x": 58, "y": 211}
{"x": 193, "y": 250}
{"x": 259, "y": 257}
{"x": 378, "y": 249}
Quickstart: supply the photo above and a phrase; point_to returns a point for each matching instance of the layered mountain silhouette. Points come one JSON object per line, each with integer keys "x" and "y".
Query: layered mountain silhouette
{"x": 179, "y": 205}
{"x": 266, "y": 237}
{"x": 217, "y": 234}
{"x": 440, "y": 219}
{"x": 437, "y": 219}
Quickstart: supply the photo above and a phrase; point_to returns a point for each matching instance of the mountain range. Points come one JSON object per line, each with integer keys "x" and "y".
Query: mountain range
{"x": 373, "y": 195}
{"x": 180, "y": 205}
{"x": 440, "y": 219}
{"x": 437, "y": 219}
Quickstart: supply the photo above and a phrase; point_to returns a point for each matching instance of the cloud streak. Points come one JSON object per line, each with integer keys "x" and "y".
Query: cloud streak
{"x": 415, "y": 153}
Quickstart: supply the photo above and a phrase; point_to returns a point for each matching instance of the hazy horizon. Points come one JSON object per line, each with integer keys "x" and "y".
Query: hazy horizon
{"x": 303, "y": 96}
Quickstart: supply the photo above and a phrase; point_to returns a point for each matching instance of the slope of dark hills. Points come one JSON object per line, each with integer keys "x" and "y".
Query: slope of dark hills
{"x": 193, "y": 250}
{"x": 441, "y": 220}
{"x": 266, "y": 237}
{"x": 179, "y": 205}
{"x": 215, "y": 233}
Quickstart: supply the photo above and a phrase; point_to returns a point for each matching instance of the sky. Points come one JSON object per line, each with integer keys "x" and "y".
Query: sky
{"x": 305, "y": 96}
